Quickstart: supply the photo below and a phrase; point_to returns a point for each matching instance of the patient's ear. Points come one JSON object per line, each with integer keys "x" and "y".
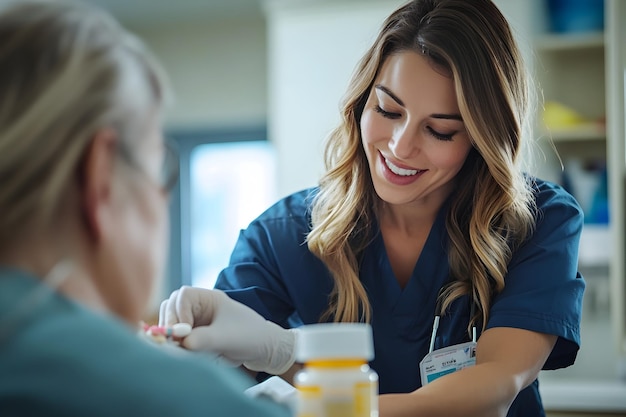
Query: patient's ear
{"x": 97, "y": 182}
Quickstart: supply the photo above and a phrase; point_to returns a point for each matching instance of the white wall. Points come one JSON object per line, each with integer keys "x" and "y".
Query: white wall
{"x": 313, "y": 48}
{"x": 218, "y": 70}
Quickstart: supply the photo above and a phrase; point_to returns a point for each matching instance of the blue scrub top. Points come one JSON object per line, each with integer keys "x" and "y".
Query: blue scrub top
{"x": 272, "y": 271}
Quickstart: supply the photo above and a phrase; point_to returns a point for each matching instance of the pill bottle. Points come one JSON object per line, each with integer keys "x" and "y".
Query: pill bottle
{"x": 336, "y": 380}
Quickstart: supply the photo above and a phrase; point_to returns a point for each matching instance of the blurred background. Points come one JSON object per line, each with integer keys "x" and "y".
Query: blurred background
{"x": 257, "y": 89}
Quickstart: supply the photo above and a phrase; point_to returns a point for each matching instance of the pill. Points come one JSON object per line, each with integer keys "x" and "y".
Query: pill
{"x": 181, "y": 329}
{"x": 176, "y": 330}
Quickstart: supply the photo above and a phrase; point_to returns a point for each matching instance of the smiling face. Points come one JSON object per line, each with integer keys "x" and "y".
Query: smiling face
{"x": 413, "y": 133}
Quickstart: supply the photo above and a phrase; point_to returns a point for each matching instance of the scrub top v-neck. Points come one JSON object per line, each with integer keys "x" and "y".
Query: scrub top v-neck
{"x": 402, "y": 316}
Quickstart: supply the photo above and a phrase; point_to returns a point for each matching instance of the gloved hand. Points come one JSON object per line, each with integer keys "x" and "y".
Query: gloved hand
{"x": 230, "y": 329}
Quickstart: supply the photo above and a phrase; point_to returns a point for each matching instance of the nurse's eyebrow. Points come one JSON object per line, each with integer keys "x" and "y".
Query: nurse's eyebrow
{"x": 447, "y": 116}
{"x": 389, "y": 93}
{"x": 400, "y": 102}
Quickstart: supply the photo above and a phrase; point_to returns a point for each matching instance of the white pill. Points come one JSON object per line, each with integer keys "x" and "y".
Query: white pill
{"x": 181, "y": 329}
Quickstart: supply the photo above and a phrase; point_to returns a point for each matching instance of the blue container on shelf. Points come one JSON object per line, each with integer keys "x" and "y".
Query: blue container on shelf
{"x": 567, "y": 16}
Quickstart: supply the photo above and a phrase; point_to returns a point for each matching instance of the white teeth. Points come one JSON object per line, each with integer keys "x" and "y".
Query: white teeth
{"x": 400, "y": 171}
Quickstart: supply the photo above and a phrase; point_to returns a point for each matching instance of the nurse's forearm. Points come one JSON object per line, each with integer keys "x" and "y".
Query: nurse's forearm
{"x": 483, "y": 390}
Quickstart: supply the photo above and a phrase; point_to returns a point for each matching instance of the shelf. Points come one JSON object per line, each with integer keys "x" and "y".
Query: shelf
{"x": 586, "y": 132}
{"x": 568, "y": 42}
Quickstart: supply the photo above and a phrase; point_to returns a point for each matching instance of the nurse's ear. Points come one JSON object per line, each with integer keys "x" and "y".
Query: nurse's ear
{"x": 96, "y": 183}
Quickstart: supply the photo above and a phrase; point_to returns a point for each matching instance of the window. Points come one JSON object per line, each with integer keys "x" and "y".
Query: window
{"x": 227, "y": 180}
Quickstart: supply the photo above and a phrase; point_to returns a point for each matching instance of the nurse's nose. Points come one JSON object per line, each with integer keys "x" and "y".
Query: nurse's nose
{"x": 405, "y": 142}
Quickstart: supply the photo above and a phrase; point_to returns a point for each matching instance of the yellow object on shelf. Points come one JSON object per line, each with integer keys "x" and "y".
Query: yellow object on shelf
{"x": 563, "y": 123}
{"x": 557, "y": 116}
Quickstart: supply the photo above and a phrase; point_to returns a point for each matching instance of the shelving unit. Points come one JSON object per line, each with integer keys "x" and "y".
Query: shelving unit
{"x": 584, "y": 72}
{"x": 570, "y": 69}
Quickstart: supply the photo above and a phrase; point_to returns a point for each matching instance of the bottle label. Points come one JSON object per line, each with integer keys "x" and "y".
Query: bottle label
{"x": 321, "y": 401}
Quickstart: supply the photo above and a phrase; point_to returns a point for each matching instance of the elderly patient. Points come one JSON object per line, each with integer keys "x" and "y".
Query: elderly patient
{"x": 84, "y": 180}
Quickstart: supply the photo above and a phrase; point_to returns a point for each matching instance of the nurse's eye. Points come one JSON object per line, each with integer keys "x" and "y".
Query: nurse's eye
{"x": 439, "y": 135}
{"x": 386, "y": 114}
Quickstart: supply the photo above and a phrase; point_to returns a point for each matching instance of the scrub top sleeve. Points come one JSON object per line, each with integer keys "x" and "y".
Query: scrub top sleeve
{"x": 543, "y": 290}
{"x": 252, "y": 276}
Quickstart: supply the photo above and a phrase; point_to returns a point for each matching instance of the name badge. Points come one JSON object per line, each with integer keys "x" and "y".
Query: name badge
{"x": 447, "y": 360}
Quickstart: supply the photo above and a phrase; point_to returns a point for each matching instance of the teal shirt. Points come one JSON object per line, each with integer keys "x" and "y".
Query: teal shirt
{"x": 58, "y": 358}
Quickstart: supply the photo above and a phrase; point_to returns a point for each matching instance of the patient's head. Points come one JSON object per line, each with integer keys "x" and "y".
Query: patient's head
{"x": 83, "y": 165}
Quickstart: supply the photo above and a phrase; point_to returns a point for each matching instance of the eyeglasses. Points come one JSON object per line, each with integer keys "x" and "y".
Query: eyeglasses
{"x": 170, "y": 168}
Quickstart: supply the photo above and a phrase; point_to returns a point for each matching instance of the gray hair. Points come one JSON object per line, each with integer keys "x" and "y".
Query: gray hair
{"x": 67, "y": 70}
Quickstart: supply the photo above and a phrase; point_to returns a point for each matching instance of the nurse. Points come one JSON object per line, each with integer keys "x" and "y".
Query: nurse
{"x": 85, "y": 175}
{"x": 424, "y": 211}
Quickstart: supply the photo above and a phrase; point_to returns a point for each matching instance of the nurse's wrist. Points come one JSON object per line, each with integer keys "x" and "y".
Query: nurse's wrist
{"x": 279, "y": 349}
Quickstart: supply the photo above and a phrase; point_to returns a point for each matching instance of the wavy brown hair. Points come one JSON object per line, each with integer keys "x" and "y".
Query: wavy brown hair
{"x": 492, "y": 208}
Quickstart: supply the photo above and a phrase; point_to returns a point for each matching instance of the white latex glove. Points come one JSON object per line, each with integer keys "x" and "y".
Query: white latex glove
{"x": 230, "y": 329}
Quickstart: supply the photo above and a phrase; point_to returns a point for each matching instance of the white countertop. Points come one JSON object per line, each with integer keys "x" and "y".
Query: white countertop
{"x": 582, "y": 395}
